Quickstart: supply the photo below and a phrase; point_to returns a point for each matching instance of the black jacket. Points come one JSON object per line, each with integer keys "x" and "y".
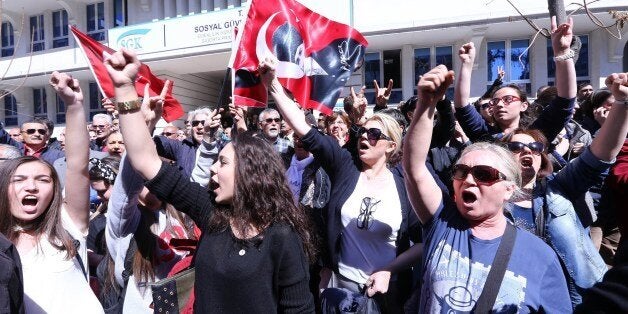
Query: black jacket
{"x": 11, "y": 282}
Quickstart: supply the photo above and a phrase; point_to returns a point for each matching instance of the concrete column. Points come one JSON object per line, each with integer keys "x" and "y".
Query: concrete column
{"x": 407, "y": 71}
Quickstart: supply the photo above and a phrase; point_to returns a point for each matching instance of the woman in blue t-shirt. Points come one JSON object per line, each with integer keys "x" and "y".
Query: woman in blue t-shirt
{"x": 461, "y": 236}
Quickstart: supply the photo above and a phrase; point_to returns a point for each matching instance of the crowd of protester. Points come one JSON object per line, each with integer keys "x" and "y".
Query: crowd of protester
{"x": 498, "y": 204}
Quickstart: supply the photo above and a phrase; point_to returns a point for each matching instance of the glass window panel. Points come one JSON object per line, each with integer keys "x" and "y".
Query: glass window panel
{"x": 495, "y": 57}
{"x": 56, "y": 24}
{"x": 392, "y": 68}
{"x": 60, "y": 110}
{"x": 101, "y": 15}
{"x": 91, "y": 17}
{"x": 10, "y": 110}
{"x": 444, "y": 56}
{"x": 94, "y": 96}
{"x": 519, "y": 60}
{"x": 582, "y": 66}
{"x": 551, "y": 67}
{"x": 371, "y": 69}
{"x": 421, "y": 62}
{"x": 119, "y": 13}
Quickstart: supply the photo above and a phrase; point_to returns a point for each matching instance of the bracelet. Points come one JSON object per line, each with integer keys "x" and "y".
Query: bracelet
{"x": 622, "y": 102}
{"x": 131, "y": 105}
{"x": 568, "y": 55}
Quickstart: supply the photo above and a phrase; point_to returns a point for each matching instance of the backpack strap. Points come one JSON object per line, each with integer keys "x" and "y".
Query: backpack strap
{"x": 498, "y": 269}
{"x": 77, "y": 244}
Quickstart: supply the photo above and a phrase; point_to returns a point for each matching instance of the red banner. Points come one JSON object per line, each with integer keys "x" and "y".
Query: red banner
{"x": 95, "y": 53}
{"x": 316, "y": 55}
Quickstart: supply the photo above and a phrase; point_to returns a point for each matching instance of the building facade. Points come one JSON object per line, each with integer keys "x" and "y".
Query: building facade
{"x": 189, "y": 42}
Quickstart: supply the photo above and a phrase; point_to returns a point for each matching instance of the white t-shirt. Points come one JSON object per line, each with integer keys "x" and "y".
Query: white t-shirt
{"x": 54, "y": 284}
{"x": 368, "y": 244}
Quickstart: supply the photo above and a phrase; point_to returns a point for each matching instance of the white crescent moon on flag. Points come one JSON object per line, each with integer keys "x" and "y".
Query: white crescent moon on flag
{"x": 307, "y": 66}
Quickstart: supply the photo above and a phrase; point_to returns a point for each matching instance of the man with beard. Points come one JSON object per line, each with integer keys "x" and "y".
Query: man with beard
{"x": 270, "y": 126}
{"x": 35, "y": 135}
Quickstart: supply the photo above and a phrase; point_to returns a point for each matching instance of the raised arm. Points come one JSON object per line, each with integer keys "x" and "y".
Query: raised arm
{"x": 76, "y": 198}
{"x": 423, "y": 192}
{"x": 122, "y": 67}
{"x": 612, "y": 134}
{"x": 207, "y": 151}
{"x": 466, "y": 53}
{"x": 288, "y": 108}
{"x": 562, "y": 35}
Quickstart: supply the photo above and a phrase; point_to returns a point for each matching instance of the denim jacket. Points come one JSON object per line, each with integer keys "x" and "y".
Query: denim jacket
{"x": 564, "y": 231}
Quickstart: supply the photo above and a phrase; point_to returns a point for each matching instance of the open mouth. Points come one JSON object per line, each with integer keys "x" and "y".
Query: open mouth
{"x": 363, "y": 146}
{"x": 468, "y": 197}
{"x": 213, "y": 185}
{"x": 29, "y": 200}
{"x": 526, "y": 161}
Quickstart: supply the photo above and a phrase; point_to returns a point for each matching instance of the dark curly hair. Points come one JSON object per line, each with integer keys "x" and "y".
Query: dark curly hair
{"x": 261, "y": 194}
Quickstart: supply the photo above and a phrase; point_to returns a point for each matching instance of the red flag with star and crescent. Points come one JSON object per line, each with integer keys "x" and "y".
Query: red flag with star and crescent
{"x": 316, "y": 55}
{"x": 95, "y": 53}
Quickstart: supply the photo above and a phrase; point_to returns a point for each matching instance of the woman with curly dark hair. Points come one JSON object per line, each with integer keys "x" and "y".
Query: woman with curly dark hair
{"x": 252, "y": 255}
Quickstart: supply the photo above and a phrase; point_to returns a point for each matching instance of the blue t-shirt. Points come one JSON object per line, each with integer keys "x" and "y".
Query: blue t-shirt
{"x": 456, "y": 264}
{"x": 523, "y": 217}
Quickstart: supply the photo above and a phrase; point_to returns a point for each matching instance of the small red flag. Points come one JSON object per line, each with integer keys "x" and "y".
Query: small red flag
{"x": 316, "y": 55}
{"x": 96, "y": 52}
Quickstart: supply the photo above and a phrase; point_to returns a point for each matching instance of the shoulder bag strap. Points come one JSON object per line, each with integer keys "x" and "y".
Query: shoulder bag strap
{"x": 539, "y": 220}
{"x": 498, "y": 269}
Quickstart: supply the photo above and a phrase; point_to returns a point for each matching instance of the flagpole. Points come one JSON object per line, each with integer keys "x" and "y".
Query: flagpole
{"x": 222, "y": 90}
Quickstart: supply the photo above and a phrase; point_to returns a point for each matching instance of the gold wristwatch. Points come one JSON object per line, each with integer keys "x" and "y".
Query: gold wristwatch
{"x": 131, "y": 105}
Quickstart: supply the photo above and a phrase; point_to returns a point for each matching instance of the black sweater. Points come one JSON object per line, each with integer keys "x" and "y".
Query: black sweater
{"x": 268, "y": 274}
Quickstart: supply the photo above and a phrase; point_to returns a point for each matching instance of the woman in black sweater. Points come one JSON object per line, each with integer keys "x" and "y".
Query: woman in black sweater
{"x": 252, "y": 255}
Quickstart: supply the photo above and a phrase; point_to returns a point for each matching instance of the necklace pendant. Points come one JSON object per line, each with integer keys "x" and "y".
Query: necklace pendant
{"x": 242, "y": 252}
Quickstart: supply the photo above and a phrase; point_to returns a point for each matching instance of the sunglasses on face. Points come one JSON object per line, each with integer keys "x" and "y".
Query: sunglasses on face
{"x": 508, "y": 99}
{"x": 481, "y": 174}
{"x": 102, "y": 126}
{"x": 32, "y": 131}
{"x": 485, "y": 105}
{"x": 517, "y": 147}
{"x": 167, "y": 134}
{"x": 197, "y": 122}
{"x": 271, "y": 120}
{"x": 373, "y": 134}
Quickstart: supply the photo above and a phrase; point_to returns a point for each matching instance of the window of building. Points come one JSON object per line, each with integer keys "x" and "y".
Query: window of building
{"x": 95, "y": 100}
{"x": 376, "y": 70}
{"x": 60, "y": 109}
{"x": 96, "y": 20}
{"x": 37, "y": 32}
{"x": 120, "y": 17}
{"x": 582, "y": 66}
{"x": 60, "y": 29}
{"x": 8, "y": 39}
{"x": 515, "y": 60}
{"x": 40, "y": 105}
{"x": 427, "y": 58}
{"x": 10, "y": 110}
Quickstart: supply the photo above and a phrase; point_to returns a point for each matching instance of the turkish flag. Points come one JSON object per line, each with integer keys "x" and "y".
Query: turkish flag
{"x": 316, "y": 55}
{"x": 96, "y": 52}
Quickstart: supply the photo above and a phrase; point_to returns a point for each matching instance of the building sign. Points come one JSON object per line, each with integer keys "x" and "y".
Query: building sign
{"x": 203, "y": 29}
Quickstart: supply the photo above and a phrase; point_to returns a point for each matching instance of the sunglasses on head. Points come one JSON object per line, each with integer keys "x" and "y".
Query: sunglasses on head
{"x": 373, "y": 134}
{"x": 32, "y": 131}
{"x": 197, "y": 122}
{"x": 508, "y": 99}
{"x": 517, "y": 147}
{"x": 271, "y": 120}
{"x": 481, "y": 174}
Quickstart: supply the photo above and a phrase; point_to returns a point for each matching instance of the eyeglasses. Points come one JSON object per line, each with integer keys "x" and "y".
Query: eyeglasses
{"x": 517, "y": 147}
{"x": 197, "y": 122}
{"x": 481, "y": 174}
{"x": 270, "y": 120}
{"x": 508, "y": 99}
{"x": 168, "y": 134}
{"x": 32, "y": 131}
{"x": 102, "y": 126}
{"x": 373, "y": 134}
{"x": 367, "y": 208}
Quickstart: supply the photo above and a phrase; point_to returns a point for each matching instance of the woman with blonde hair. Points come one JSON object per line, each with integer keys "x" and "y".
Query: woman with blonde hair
{"x": 369, "y": 218}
